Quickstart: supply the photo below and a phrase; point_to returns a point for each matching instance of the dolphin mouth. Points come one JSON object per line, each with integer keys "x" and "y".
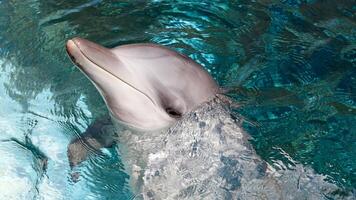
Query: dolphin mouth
{"x": 73, "y": 45}
{"x": 98, "y": 56}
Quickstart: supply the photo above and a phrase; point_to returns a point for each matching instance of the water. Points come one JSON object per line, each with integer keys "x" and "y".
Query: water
{"x": 291, "y": 65}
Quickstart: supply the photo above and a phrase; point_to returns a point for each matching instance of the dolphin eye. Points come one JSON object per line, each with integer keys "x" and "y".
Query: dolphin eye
{"x": 173, "y": 113}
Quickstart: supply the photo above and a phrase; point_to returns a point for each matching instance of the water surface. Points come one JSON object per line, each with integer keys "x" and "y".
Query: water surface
{"x": 291, "y": 65}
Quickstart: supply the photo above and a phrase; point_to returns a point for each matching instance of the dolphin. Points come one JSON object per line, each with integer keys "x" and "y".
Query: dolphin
{"x": 145, "y": 86}
{"x": 177, "y": 138}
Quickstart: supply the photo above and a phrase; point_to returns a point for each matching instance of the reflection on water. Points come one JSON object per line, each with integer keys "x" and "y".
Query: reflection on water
{"x": 290, "y": 65}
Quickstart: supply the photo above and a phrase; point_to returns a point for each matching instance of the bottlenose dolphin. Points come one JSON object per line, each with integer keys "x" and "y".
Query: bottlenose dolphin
{"x": 145, "y": 86}
{"x": 176, "y": 136}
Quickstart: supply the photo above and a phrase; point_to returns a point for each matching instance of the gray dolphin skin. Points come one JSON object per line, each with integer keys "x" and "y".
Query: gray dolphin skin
{"x": 175, "y": 133}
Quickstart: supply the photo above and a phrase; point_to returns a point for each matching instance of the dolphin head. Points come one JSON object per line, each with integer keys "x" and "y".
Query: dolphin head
{"x": 146, "y": 86}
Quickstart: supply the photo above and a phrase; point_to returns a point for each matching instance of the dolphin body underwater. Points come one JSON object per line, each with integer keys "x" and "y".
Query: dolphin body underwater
{"x": 175, "y": 133}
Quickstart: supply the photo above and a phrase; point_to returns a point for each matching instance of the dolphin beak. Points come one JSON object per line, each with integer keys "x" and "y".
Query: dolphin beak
{"x": 89, "y": 56}
{"x": 79, "y": 49}
{"x": 99, "y": 63}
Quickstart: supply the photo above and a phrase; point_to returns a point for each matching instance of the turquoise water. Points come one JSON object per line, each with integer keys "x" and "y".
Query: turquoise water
{"x": 291, "y": 65}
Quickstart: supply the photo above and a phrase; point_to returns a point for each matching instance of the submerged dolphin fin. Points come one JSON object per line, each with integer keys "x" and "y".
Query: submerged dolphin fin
{"x": 95, "y": 137}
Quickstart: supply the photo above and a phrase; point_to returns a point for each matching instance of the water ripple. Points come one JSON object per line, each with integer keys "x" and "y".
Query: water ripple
{"x": 289, "y": 65}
